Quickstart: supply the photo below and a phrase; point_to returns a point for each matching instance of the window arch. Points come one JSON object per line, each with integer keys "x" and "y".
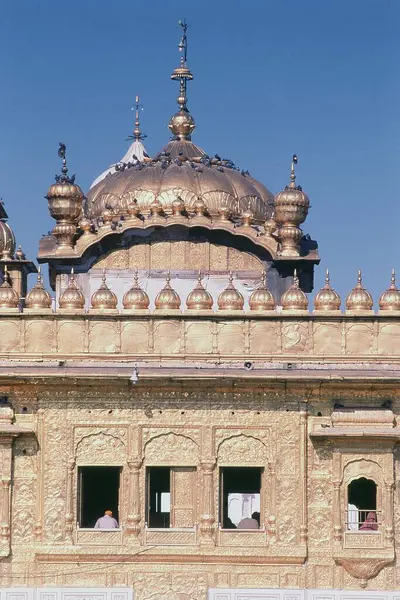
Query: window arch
{"x": 362, "y": 513}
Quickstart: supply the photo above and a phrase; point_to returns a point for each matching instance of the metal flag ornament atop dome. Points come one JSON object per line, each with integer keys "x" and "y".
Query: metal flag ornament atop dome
{"x": 182, "y": 123}
{"x": 137, "y": 134}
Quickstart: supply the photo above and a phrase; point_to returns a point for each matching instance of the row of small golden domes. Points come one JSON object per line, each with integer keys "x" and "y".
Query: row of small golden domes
{"x": 327, "y": 299}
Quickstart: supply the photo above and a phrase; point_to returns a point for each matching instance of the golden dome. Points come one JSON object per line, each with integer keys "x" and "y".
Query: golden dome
{"x": 270, "y": 226}
{"x": 8, "y": 296}
{"x": 230, "y": 298}
{"x": 135, "y": 298}
{"x": 390, "y": 300}
{"x": 38, "y": 297}
{"x": 327, "y": 298}
{"x": 7, "y": 238}
{"x": 199, "y": 298}
{"x": 72, "y": 297}
{"x": 104, "y": 298}
{"x": 182, "y": 124}
{"x": 261, "y": 298}
{"x": 359, "y": 298}
{"x": 167, "y": 299}
{"x": 294, "y": 298}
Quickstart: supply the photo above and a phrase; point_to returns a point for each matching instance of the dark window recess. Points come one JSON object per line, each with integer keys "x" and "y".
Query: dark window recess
{"x": 158, "y": 496}
{"x": 362, "y": 511}
{"x": 98, "y": 491}
{"x": 240, "y": 495}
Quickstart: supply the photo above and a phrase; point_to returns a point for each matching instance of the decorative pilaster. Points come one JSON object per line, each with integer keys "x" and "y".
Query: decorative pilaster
{"x": 337, "y": 525}
{"x": 303, "y": 476}
{"x": 134, "y": 517}
{"x": 207, "y": 519}
{"x": 69, "y": 517}
{"x": 389, "y": 530}
{"x": 271, "y": 523}
{"x": 5, "y": 509}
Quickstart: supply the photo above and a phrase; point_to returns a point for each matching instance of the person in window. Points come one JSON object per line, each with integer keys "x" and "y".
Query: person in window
{"x": 250, "y": 523}
{"x": 106, "y": 522}
{"x": 370, "y": 522}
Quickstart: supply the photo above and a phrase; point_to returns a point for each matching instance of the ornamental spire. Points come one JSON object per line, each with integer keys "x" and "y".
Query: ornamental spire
{"x": 182, "y": 123}
{"x": 137, "y": 133}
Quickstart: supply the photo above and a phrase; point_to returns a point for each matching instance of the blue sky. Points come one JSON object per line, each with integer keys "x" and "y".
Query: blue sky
{"x": 320, "y": 79}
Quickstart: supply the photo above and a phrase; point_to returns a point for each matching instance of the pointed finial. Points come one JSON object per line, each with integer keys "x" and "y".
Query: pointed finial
{"x": 295, "y": 279}
{"x": 263, "y": 279}
{"x": 104, "y": 277}
{"x": 168, "y": 278}
{"x": 63, "y": 178}
{"x": 199, "y": 277}
{"x": 137, "y": 134}
{"x": 136, "y": 279}
{"x": 39, "y": 275}
{"x": 230, "y": 278}
{"x": 292, "y": 171}
{"x": 359, "y": 278}
{"x": 393, "y": 279}
{"x": 182, "y": 73}
{"x": 327, "y": 279}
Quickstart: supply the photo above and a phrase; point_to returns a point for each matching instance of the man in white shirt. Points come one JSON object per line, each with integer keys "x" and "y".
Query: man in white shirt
{"x": 106, "y": 522}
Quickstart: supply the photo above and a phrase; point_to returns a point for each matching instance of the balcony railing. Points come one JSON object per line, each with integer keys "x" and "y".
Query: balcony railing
{"x": 368, "y": 520}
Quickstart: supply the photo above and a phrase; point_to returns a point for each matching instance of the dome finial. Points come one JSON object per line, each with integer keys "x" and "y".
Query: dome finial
{"x": 63, "y": 178}
{"x": 182, "y": 123}
{"x": 137, "y": 134}
{"x": 292, "y": 183}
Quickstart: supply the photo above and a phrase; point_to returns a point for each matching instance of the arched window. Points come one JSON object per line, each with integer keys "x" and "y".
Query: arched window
{"x": 362, "y": 513}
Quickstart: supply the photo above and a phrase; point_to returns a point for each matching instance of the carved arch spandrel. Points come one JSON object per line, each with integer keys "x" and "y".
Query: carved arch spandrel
{"x": 239, "y": 449}
{"x": 100, "y": 449}
{"x": 171, "y": 449}
{"x": 361, "y": 467}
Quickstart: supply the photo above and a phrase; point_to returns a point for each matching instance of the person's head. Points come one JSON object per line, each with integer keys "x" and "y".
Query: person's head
{"x": 108, "y": 513}
{"x": 371, "y": 516}
{"x": 256, "y": 516}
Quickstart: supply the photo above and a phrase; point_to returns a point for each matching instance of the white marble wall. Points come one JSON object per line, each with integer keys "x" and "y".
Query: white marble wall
{"x": 65, "y": 593}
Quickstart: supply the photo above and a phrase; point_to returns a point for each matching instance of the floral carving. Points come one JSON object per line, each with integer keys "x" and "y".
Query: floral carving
{"x": 101, "y": 448}
{"x": 171, "y": 448}
{"x": 364, "y": 568}
{"x": 242, "y": 450}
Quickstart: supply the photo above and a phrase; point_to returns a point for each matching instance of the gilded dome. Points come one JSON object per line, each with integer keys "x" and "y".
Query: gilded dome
{"x": 8, "y": 296}
{"x": 359, "y": 298}
{"x": 135, "y": 298}
{"x": 199, "y": 298}
{"x": 261, "y": 298}
{"x": 390, "y": 300}
{"x": 327, "y": 298}
{"x": 294, "y": 298}
{"x": 104, "y": 298}
{"x": 167, "y": 299}
{"x": 181, "y": 169}
{"x": 72, "y": 297}
{"x": 7, "y": 238}
{"x": 38, "y": 297}
{"x": 230, "y": 298}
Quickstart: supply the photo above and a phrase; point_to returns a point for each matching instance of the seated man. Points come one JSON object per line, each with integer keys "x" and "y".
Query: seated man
{"x": 106, "y": 522}
{"x": 250, "y": 523}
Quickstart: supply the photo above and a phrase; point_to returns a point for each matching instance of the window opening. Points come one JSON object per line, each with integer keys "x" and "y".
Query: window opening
{"x": 240, "y": 497}
{"x": 362, "y": 514}
{"x": 158, "y": 496}
{"x": 98, "y": 491}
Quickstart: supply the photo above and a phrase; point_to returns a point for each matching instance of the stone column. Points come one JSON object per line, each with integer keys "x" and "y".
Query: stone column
{"x": 207, "y": 519}
{"x": 69, "y": 517}
{"x": 134, "y": 516}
